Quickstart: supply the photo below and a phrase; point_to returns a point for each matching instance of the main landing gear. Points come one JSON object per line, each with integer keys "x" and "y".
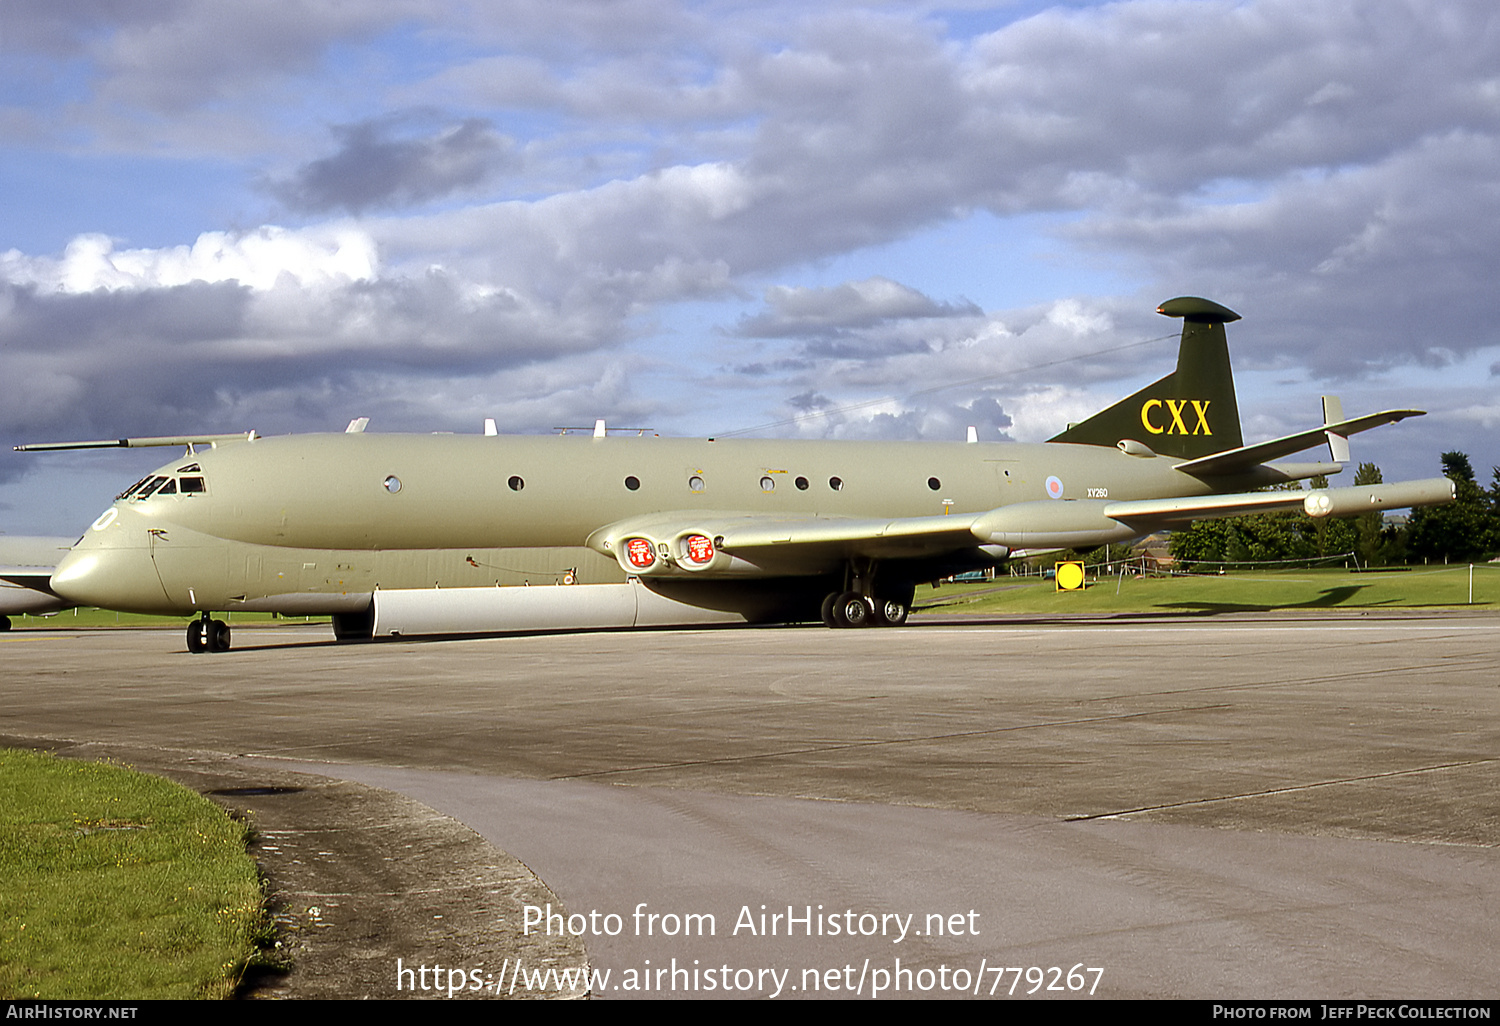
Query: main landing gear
{"x": 207, "y": 635}
{"x": 867, "y": 604}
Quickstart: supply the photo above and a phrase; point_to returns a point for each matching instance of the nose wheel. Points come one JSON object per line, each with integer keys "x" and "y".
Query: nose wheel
{"x": 208, "y": 635}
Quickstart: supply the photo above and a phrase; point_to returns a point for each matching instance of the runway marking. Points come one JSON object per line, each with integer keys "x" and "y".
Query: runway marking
{"x": 851, "y": 745}
{"x": 1281, "y": 790}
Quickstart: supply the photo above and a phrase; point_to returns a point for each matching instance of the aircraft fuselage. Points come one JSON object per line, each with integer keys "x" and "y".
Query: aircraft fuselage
{"x": 316, "y": 523}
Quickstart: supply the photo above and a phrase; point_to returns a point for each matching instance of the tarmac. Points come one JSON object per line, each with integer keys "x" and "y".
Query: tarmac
{"x": 1230, "y": 806}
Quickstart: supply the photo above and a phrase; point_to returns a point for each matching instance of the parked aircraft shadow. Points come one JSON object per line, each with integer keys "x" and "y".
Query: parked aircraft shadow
{"x": 1329, "y": 598}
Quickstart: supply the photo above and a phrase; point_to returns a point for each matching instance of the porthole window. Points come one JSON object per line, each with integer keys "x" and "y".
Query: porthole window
{"x": 767, "y": 484}
{"x": 801, "y": 483}
{"x": 836, "y": 483}
{"x": 934, "y": 483}
{"x": 393, "y": 484}
{"x": 633, "y": 483}
{"x": 695, "y": 483}
{"x": 516, "y": 483}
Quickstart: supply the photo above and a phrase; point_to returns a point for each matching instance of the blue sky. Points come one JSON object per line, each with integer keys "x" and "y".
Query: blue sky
{"x": 716, "y": 216}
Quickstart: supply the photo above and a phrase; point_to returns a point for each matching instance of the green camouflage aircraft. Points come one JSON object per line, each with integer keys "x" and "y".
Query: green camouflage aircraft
{"x": 434, "y": 534}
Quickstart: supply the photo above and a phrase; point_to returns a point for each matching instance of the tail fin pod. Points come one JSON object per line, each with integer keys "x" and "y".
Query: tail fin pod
{"x": 1191, "y": 412}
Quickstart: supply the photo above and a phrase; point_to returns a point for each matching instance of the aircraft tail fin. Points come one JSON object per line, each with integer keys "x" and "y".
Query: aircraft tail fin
{"x": 1191, "y": 412}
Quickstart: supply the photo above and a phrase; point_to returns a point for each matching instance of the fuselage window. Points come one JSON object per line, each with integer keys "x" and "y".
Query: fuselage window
{"x": 633, "y": 483}
{"x": 191, "y": 485}
{"x": 836, "y": 483}
{"x": 695, "y": 483}
{"x": 170, "y": 488}
{"x": 934, "y": 483}
{"x": 801, "y": 484}
{"x": 767, "y": 484}
{"x": 516, "y": 483}
{"x": 392, "y": 484}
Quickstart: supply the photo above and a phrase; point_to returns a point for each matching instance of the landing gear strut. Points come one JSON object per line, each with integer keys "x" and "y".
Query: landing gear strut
{"x": 207, "y": 635}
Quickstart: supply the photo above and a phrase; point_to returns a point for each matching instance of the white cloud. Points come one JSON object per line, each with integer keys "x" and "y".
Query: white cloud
{"x": 257, "y": 259}
{"x": 563, "y": 190}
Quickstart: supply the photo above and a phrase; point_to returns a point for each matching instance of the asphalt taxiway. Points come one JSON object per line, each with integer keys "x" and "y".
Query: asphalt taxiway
{"x": 1251, "y": 805}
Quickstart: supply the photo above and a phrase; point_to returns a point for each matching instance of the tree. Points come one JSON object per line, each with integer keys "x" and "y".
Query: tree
{"x": 1375, "y": 542}
{"x": 1465, "y": 530}
{"x": 1261, "y": 538}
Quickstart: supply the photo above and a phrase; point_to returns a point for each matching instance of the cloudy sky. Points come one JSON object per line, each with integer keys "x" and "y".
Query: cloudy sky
{"x": 854, "y": 220}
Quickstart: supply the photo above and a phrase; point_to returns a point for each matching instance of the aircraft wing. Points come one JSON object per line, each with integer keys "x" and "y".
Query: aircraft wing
{"x": 28, "y": 589}
{"x": 796, "y": 538}
{"x": 750, "y": 543}
{"x": 1320, "y": 502}
{"x": 27, "y": 577}
{"x": 1246, "y": 457}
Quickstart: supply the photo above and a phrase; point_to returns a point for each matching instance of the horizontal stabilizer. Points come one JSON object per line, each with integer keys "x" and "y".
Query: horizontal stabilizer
{"x": 1247, "y": 457}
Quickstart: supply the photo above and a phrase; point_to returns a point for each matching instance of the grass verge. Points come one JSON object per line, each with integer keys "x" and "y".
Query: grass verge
{"x": 1249, "y": 591}
{"x": 119, "y": 885}
{"x": 88, "y": 617}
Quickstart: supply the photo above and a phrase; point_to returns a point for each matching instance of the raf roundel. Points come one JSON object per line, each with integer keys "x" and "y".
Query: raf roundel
{"x": 1054, "y": 488}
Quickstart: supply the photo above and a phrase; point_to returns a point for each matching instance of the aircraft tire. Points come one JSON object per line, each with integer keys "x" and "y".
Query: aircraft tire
{"x": 195, "y": 631}
{"x": 829, "y": 601}
{"x": 891, "y": 612}
{"x": 853, "y": 610}
{"x": 218, "y": 636}
{"x": 4, "y": 623}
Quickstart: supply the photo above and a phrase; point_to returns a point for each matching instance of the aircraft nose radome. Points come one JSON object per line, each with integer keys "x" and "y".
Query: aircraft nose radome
{"x": 121, "y": 579}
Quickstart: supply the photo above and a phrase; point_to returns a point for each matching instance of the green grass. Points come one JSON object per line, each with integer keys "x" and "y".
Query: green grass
{"x": 70, "y": 618}
{"x": 1415, "y": 588}
{"x": 116, "y": 884}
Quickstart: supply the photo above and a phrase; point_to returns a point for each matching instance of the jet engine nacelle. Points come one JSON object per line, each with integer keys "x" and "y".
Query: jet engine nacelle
{"x": 1052, "y": 524}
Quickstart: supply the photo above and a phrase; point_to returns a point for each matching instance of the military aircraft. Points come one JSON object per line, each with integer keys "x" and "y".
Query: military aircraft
{"x": 442, "y": 533}
{"x": 26, "y": 567}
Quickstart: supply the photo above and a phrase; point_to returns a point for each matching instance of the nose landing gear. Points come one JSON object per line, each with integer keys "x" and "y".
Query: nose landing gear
{"x": 207, "y": 635}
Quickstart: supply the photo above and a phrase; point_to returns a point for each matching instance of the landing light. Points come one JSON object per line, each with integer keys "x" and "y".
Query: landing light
{"x": 699, "y": 549}
{"x": 640, "y": 552}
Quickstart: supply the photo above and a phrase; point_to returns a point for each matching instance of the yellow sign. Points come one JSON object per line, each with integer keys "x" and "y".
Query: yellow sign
{"x": 1164, "y": 416}
{"x": 1070, "y": 577}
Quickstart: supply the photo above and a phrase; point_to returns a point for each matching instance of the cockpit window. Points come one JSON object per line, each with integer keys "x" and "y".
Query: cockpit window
{"x": 151, "y": 486}
{"x": 127, "y": 493}
{"x": 191, "y": 485}
{"x": 191, "y": 468}
{"x": 170, "y": 488}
